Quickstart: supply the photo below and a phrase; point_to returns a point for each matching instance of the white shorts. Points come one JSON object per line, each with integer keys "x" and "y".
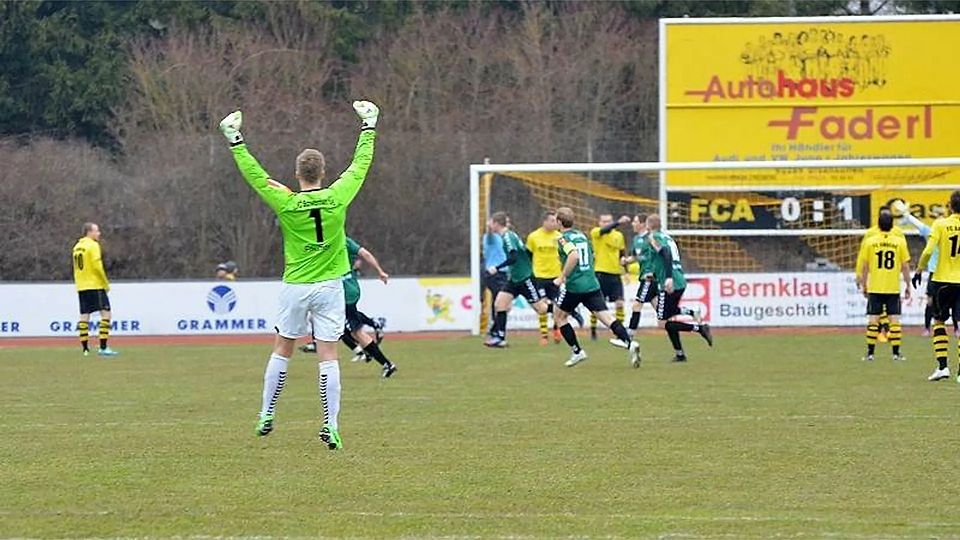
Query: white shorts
{"x": 317, "y": 305}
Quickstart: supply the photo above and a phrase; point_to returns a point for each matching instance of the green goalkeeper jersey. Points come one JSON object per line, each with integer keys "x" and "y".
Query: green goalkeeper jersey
{"x": 312, "y": 221}
{"x": 582, "y": 279}
{"x": 660, "y": 271}
{"x": 521, "y": 269}
{"x": 351, "y": 287}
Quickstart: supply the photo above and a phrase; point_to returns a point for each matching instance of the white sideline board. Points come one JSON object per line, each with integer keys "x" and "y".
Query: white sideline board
{"x": 421, "y": 304}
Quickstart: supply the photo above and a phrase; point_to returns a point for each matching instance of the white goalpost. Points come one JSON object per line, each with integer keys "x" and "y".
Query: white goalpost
{"x": 713, "y": 218}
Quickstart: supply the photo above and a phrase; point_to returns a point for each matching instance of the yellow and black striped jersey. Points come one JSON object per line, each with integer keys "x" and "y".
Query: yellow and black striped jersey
{"x": 88, "y": 272}
{"x": 945, "y": 234}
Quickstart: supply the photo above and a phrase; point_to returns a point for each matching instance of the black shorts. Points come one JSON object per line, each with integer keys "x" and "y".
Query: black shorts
{"x": 647, "y": 292}
{"x": 547, "y": 288}
{"x": 354, "y": 322}
{"x": 668, "y": 304}
{"x": 878, "y": 304}
{"x": 527, "y": 289}
{"x": 496, "y": 282}
{"x": 593, "y": 301}
{"x": 946, "y": 300}
{"x": 611, "y": 285}
{"x": 93, "y": 300}
{"x": 930, "y": 288}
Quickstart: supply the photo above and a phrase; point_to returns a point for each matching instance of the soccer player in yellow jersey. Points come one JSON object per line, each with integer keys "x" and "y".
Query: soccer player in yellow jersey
{"x": 885, "y": 258}
{"x": 884, "y": 320}
{"x": 609, "y": 246}
{"x": 945, "y": 285}
{"x": 92, "y": 287}
{"x": 542, "y": 244}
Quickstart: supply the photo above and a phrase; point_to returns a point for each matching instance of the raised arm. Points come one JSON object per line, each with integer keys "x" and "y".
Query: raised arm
{"x": 932, "y": 242}
{"x": 922, "y": 227}
{"x": 346, "y": 187}
{"x": 249, "y": 167}
{"x": 257, "y": 177}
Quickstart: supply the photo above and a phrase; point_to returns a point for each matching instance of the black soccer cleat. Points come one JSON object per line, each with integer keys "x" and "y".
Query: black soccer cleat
{"x": 389, "y": 370}
{"x": 679, "y": 359}
{"x": 706, "y": 334}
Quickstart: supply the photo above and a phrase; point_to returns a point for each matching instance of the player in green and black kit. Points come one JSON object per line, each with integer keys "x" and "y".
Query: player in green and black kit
{"x": 315, "y": 260}
{"x": 647, "y": 291}
{"x": 354, "y": 334}
{"x": 664, "y": 258}
{"x": 357, "y": 253}
{"x": 579, "y": 285}
{"x": 520, "y": 283}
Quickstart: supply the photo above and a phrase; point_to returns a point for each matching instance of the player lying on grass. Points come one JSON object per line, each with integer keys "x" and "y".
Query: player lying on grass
{"x": 945, "y": 288}
{"x": 885, "y": 257}
{"x": 520, "y": 282}
{"x": 578, "y": 284}
{"x": 667, "y": 269}
{"x": 315, "y": 260}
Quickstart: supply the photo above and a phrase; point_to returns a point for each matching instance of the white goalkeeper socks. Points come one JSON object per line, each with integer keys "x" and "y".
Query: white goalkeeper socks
{"x": 330, "y": 391}
{"x": 274, "y": 378}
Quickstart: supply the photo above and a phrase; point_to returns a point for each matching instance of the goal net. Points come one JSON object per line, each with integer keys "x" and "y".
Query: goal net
{"x": 725, "y": 217}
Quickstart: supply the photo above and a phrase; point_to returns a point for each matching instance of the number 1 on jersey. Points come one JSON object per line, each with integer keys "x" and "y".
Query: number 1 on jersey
{"x": 954, "y": 248}
{"x": 315, "y": 214}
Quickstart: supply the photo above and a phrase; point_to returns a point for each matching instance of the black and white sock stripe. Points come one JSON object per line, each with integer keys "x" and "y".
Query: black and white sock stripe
{"x": 323, "y": 399}
{"x": 281, "y": 380}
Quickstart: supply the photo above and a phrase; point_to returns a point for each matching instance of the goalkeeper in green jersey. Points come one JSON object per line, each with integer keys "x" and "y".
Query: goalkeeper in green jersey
{"x": 664, "y": 258}
{"x": 578, "y": 284}
{"x": 315, "y": 260}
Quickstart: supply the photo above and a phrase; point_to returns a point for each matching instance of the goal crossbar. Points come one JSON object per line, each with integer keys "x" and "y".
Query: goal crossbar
{"x": 656, "y": 166}
{"x": 476, "y": 170}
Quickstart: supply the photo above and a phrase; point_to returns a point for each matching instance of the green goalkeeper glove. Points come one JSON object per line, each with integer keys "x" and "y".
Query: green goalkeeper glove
{"x": 368, "y": 113}
{"x": 230, "y": 127}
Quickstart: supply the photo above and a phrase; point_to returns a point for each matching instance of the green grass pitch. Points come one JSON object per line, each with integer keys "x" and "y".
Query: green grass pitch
{"x": 763, "y": 436}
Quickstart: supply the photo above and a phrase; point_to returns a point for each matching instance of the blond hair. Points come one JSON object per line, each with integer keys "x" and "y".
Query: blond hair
{"x": 311, "y": 166}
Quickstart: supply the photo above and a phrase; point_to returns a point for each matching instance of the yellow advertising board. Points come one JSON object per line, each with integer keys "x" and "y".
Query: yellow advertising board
{"x": 927, "y": 205}
{"x": 810, "y": 89}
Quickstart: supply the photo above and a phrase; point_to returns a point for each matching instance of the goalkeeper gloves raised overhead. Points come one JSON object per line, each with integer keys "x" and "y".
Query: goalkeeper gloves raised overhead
{"x": 917, "y": 279}
{"x": 230, "y": 127}
{"x": 368, "y": 113}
